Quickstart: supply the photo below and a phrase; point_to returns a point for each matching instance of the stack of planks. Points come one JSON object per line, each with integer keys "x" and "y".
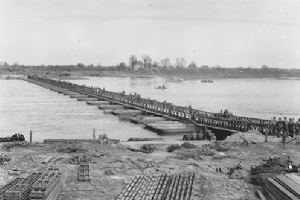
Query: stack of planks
{"x": 160, "y": 186}
{"x": 47, "y": 185}
{"x": 8, "y": 187}
{"x": 19, "y": 189}
{"x": 283, "y": 187}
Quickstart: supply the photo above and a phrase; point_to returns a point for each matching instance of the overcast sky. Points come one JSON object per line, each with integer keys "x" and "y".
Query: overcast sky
{"x": 210, "y": 32}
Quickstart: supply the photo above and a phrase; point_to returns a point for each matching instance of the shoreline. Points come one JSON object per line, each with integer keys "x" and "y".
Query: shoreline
{"x": 81, "y": 75}
{"x": 112, "y": 166}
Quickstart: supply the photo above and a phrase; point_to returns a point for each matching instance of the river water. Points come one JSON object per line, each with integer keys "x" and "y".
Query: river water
{"x": 24, "y": 106}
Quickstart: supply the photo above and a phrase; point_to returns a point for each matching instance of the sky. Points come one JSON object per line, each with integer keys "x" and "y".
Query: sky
{"x": 228, "y": 33}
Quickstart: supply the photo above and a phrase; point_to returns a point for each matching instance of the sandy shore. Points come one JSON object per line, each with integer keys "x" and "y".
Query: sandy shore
{"x": 111, "y": 165}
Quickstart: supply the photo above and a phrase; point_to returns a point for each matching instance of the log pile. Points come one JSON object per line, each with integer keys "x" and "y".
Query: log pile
{"x": 160, "y": 186}
{"x": 283, "y": 187}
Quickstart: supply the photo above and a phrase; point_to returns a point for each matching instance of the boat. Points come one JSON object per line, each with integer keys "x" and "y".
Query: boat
{"x": 207, "y": 81}
{"x": 161, "y": 87}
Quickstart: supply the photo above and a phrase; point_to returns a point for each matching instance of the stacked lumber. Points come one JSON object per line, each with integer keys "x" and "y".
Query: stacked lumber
{"x": 46, "y": 184}
{"x": 8, "y": 187}
{"x": 20, "y": 189}
{"x": 271, "y": 167}
{"x": 283, "y": 187}
{"x": 159, "y": 186}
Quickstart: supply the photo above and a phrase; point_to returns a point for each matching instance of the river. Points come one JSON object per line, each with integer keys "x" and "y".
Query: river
{"x": 25, "y": 107}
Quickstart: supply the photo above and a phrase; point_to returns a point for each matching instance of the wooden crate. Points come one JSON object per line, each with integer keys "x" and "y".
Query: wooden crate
{"x": 84, "y": 173}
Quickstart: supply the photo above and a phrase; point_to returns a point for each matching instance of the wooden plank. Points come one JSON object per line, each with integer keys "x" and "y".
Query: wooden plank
{"x": 282, "y": 189}
{"x": 290, "y": 185}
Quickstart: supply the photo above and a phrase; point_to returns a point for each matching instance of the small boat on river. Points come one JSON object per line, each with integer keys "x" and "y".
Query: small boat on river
{"x": 161, "y": 87}
{"x": 207, "y": 81}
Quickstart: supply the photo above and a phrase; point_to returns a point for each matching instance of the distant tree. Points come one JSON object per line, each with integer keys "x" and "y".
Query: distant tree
{"x": 165, "y": 63}
{"x": 15, "y": 64}
{"x": 264, "y": 67}
{"x": 192, "y": 65}
{"x": 147, "y": 61}
{"x": 180, "y": 62}
{"x": 132, "y": 61}
{"x": 122, "y": 66}
{"x": 155, "y": 64}
{"x": 5, "y": 64}
{"x": 204, "y": 67}
{"x": 79, "y": 65}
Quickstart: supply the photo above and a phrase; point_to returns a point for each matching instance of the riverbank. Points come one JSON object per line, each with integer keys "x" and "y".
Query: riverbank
{"x": 185, "y": 74}
{"x": 111, "y": 166}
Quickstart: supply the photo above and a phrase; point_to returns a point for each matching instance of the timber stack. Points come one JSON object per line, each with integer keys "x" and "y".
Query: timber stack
{"x": 283, "y": 187}
{"x": 161, "y": 186}
{"x": 44, "y": 185}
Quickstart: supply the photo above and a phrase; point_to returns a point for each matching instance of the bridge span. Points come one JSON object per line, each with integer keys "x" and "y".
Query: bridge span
{"x": 216, "y": 122}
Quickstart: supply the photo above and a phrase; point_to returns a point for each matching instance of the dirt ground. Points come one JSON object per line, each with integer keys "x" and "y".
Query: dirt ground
{"x": 112, "y": 166}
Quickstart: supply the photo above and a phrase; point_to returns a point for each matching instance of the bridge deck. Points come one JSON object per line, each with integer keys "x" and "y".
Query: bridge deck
{"x": 80, "y": 93}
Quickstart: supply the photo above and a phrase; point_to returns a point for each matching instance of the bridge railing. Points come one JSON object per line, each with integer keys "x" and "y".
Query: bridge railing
{"x": 181, "y": 113}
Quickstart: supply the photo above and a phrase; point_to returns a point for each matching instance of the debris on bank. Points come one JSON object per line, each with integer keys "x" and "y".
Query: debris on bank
{"x": 277, "y": 177}
{"x": 271, "y": 167}
{"x": 196, "y": 154}
{"x": 80, "y": 159}
{"x": 173, "y": 147}
{"x": 4, "y": 159}
{"x": 71, "y": 148}
{"x": 146, "y": 148}
{"x": 16, "y": 144}
{"x": 144, "y": 139}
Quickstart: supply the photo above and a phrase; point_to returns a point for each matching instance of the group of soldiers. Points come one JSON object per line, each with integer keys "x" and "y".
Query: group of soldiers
{"x": 285, "y": 127}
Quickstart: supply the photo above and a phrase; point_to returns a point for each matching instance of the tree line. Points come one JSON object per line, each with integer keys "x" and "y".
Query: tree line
{"x": 146, "y": 64}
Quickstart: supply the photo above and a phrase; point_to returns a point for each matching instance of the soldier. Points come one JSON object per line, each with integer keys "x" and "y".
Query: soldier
{"x": 279, "y": 127}
{"x": 291, "y": 127}
{"x": 297, "y": 127}
{"x": 273, "y": 126}
{"x": 285, "y": 126}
